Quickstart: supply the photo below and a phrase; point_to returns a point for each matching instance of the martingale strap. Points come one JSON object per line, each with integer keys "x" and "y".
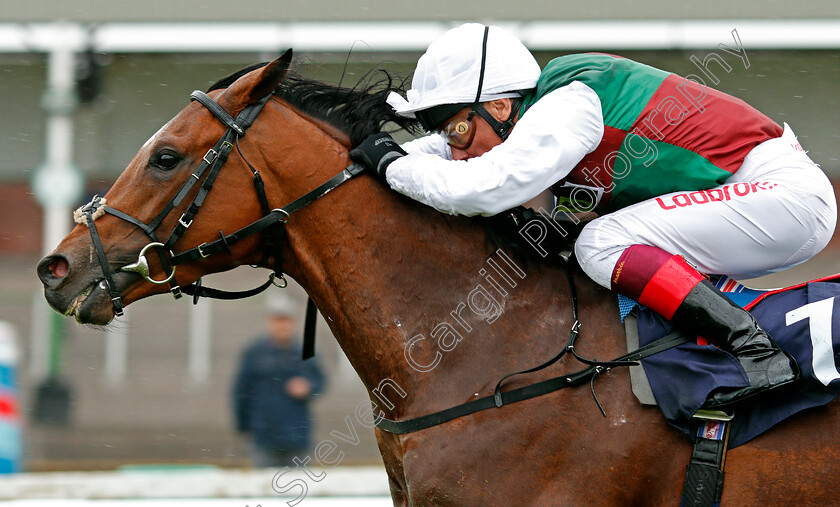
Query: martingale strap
{"x": 599, "y": 366}
{"x": 523, "y": 393}
{"x": 309, "y": 329}
{"x": 499, "y": 398}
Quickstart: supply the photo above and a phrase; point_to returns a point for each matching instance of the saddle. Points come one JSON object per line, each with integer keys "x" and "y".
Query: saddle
{"x": 800, "y": 318}
{"x": 803, "y": 319}
{"x": 680, "y": 378}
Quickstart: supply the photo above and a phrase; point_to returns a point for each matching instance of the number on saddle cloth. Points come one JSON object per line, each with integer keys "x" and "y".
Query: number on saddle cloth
{"x": 803, "y": 319}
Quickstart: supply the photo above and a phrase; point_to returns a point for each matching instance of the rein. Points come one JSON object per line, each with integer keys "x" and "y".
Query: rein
{"x": 273, "y": 220}
{"x": 499, "y": 398}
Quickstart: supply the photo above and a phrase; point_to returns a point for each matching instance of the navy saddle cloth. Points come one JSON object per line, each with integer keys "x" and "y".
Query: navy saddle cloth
{"x": 804, "y": 320}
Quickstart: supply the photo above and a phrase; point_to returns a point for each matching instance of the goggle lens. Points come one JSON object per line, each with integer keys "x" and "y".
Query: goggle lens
{"x": 459, "y": 133}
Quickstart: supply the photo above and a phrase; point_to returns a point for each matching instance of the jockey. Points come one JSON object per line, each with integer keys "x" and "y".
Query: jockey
{"x": 687, "y": 180}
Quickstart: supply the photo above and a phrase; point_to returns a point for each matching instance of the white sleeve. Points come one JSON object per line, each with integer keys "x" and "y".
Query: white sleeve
{"x": 547, "y": 143}
{"x": 433, "y": 144}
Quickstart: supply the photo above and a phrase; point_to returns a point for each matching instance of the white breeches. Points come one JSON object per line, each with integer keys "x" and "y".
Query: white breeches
{"x": 778, "y": 210}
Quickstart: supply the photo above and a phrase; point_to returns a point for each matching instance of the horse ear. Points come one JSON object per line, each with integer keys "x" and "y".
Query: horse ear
{"x": 269, "y": 78}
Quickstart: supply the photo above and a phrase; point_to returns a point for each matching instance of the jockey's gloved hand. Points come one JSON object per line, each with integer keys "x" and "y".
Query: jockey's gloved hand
{"x": 532, "y": 232}
{"x": 376, "y": 152}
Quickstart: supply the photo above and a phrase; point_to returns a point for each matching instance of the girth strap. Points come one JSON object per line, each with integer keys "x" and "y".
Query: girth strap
{"x": 703, "y": 485}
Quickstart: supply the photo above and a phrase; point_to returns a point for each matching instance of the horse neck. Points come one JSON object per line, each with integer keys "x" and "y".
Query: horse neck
{"x": 387, "y": 272}
{"x": 382, "y": 272}
{"x": 391, "y": 276}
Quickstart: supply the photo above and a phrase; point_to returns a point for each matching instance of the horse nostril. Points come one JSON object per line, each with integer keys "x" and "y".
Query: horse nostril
{"x": 53, "y": 268}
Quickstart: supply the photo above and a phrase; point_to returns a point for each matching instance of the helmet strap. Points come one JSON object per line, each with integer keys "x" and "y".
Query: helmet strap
{"x": 483, "y": 63}
{"x": 502, "y": 129}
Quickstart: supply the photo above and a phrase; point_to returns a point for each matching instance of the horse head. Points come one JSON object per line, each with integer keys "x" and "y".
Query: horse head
{"x": 145, "y": 218}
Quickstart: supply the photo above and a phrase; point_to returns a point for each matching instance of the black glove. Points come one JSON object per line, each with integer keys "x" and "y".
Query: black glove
{"x": 376, "y": 152}
{"x": 530, "y": 232}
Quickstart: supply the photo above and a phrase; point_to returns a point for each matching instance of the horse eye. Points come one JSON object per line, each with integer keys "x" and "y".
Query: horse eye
{"x": 165, "y": 160}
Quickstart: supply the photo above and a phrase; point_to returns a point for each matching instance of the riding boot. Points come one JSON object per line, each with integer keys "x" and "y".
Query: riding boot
{"x": 668, "y": 285}
{"x": 710, "y": 314}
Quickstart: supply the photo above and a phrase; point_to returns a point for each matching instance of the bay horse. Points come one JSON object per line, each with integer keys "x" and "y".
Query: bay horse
{"x": 410, "y": 296}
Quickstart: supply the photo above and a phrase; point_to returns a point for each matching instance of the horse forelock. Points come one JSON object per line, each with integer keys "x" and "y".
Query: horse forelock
{"x": 358, "y": 111}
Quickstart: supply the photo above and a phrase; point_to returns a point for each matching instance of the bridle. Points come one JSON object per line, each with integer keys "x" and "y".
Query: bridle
{"x": 273, "y": 220}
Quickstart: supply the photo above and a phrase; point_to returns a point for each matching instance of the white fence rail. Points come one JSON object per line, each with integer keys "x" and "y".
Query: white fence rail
{"x": 281, "y": 485}
{"x": 411, "y": 36}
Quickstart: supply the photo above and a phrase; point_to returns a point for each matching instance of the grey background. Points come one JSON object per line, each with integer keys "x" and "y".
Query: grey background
{"x": 393, "y": 10}
{"x": 141, "y": 92}
{"x": 157, "y": 414}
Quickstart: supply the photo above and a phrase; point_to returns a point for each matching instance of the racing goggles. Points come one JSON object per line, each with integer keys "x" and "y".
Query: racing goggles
{"x": 460, "y": 132}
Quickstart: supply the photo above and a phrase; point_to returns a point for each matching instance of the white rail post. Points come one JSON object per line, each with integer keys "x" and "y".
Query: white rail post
{"x": 116, "y": 352}
{"x": 200, "y": 344}
{"x": 57, "y": 183}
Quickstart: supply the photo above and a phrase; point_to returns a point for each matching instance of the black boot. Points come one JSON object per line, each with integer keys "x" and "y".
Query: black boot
{"x": 710, "y": 314}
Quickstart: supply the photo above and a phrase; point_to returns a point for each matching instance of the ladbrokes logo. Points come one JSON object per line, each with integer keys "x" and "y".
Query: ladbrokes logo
{"x": 724, "y": 193}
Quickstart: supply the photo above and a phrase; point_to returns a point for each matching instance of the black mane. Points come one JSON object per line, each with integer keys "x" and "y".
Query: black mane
{"x": 358, "y": 111}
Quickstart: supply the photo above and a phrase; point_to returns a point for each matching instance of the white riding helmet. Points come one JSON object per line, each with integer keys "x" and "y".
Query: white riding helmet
{"x": 449, "y": 73}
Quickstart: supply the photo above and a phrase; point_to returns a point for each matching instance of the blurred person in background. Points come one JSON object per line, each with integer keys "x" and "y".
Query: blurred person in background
{"x": 687, "y": 180}
{"x": 273, "y": 389}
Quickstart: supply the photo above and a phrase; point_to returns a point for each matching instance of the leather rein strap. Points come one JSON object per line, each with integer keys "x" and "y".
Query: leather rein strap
{"x": 276, "y": 216}
{"x": 499, "y": 398}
